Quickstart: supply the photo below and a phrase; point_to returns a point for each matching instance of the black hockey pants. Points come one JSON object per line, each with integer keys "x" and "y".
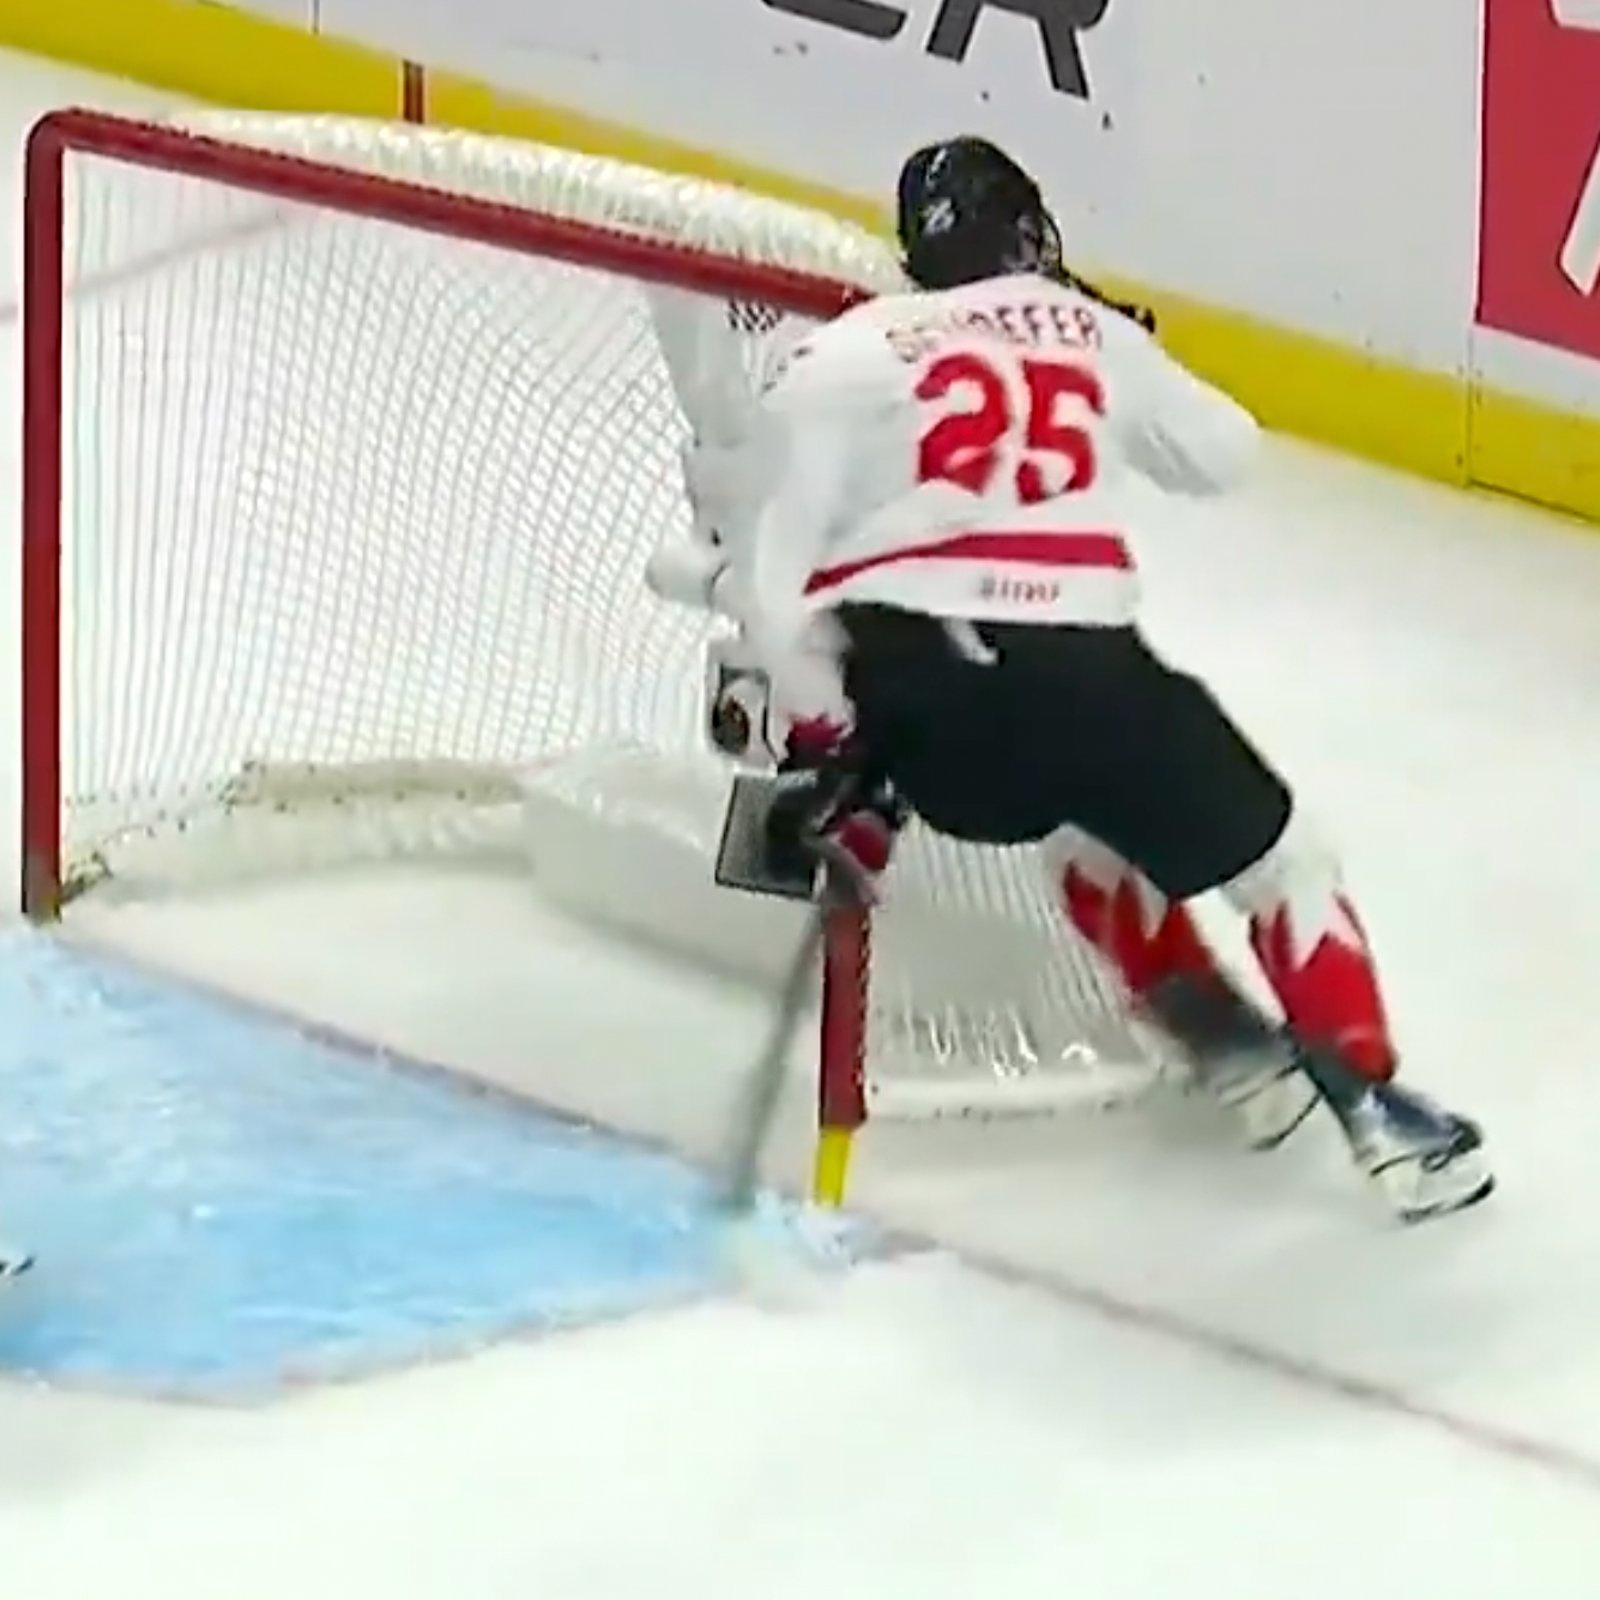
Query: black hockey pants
{"x": 1063, "y": 726}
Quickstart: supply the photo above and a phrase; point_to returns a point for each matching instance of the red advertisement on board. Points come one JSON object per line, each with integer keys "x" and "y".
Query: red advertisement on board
{"x": 1539, "y": 213}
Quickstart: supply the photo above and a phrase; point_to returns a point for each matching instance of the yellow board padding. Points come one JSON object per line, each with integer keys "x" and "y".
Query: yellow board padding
{"x": 1437, "y": 425}
{"x": 1302, "y": 384}
{"x": 210, "y": 52}
{"x": 1536, "y": 452}
{"x": 1431, "y": 424}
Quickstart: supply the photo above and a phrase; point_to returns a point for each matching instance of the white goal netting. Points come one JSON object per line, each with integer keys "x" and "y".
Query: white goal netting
{"x": 355, "y": 518}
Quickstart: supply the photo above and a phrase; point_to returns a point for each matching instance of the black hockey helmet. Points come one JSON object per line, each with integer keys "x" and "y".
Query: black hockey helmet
{"x": 967, "y": 211}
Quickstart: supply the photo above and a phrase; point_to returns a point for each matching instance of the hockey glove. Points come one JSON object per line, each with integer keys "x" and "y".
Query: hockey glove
{"x": 815, "y": 743}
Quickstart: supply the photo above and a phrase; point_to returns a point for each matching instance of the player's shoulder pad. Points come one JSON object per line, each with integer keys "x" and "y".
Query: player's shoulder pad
{"x": 832, "y": 361}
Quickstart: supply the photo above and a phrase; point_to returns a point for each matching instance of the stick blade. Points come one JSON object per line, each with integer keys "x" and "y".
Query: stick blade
{"x": 745, "y": 859}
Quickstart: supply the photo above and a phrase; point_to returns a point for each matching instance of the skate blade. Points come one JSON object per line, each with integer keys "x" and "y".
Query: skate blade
{"x": 1418, "y": 1193}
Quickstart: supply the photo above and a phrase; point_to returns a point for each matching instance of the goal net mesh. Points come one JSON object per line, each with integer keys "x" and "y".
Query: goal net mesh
{"x": 355, "y": 518}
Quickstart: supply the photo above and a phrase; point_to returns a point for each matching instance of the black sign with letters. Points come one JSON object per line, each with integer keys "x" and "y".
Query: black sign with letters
{"x": 1059, "y": 24}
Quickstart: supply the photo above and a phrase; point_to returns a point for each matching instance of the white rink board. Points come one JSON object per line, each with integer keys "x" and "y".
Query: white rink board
{"x": 1317, "y": 168}
{"x": 1256, "y": 155}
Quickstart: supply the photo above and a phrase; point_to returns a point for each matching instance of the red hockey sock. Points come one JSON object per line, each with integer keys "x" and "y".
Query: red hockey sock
{"x": 1316, "y": 958}
{"x": 1146, "y": 937}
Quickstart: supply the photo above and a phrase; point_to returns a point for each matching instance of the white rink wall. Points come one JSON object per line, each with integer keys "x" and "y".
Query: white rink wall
{"x": 1299, "y": 228}
{"x": 1317, "y": 168}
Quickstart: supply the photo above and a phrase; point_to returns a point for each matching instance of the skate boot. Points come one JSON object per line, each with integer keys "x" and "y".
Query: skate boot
{"x": 1247, "y": 1064}
{"x": 1426, "y": 1161}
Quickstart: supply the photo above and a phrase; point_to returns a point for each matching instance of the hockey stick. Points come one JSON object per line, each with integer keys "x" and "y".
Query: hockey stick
{"x": 843, "y": 883}
{"x": 758, "y": 1106}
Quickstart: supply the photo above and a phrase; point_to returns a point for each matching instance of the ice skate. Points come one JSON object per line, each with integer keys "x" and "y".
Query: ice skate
{"x": 13, "y": 1262}
{"x": 1426, "y": 1161}
{"x": 1245, "y": 1062}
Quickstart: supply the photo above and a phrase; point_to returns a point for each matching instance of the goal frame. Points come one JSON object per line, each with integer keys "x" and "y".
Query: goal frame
{"x": 63, "y": 134}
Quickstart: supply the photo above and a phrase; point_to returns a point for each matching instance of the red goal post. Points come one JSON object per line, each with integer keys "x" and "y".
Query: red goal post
{"x": 345, "y": 447}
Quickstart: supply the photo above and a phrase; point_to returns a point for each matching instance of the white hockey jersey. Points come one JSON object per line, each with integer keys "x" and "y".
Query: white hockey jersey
{"x": 970, "y": 455}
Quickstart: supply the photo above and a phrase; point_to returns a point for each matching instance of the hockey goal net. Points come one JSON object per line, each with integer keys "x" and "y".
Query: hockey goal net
{"x": 347, "y": 445}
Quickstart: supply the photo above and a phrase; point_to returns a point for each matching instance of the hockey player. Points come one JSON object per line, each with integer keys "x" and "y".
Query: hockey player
{"x": 941, "y": 584}
{"x": 1250, "y": 1065}
{"x": 1238, "y": 1055}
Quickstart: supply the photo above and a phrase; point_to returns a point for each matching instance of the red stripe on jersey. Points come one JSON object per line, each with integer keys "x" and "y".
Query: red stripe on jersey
{"x": 1106, "y": 550}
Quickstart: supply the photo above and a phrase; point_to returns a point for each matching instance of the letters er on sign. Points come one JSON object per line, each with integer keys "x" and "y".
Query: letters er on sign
{"x": 1059, "y": 22}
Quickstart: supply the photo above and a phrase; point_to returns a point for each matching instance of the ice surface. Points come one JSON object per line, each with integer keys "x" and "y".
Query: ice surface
{"x": 1227, "y": 1376}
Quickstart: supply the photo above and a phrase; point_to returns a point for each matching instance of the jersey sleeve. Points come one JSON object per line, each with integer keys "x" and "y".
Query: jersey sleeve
{"x": 726, "y": 473}
{"x": 1175, "y": 429}
{"x": 809, "y": 430}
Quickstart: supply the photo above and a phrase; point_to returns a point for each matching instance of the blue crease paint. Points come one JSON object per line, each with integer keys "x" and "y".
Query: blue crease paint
{"x": 221, "y": 1202}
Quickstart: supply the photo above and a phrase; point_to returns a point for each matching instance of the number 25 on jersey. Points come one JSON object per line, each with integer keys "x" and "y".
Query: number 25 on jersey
{"x": 1009, "y": 422}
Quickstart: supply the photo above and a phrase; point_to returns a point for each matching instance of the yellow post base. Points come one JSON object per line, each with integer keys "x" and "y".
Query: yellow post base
{"x": 831, "y": 1170}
